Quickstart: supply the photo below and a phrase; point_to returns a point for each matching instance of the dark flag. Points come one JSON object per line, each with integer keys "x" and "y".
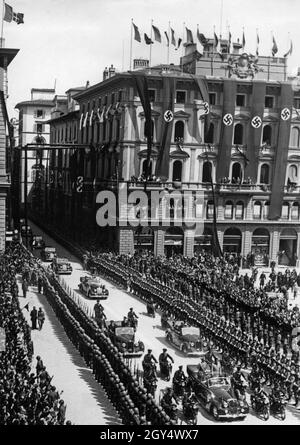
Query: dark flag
{"x": 289, "y": 53}
{"x": 216, "y": 40}
{"x": 274, "y": 47}
{"x": 201, "y": 37}
{"x": 246, "y": 160}
{"x": 189, "y": 36}
{"x": 179, "y": 43}
{"x": 257, "y": 45}
{"x": 167, "y": 37}
{"x": 10, "y": 15}
{"x": 173, "y": 41}
{"x": 137, "y": 35}
{"x": 148, "y": 41}
{"x": 142, "y": 87}
{"x": 229, "y": 43}
{"x": 157, "y": 35}
{"x": 243, "y": 41}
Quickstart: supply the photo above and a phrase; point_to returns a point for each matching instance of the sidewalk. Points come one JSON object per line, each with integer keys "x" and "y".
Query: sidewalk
{"x": 86, "y": 401}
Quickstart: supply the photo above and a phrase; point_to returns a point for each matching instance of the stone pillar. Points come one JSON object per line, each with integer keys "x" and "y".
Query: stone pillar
{"x": 247, "y": 242}
{"x": 188, "y": 247}
{"x": 159, "y": 242}
{"x": 221, "y": 238}
{"x": 126, "y": 243}
{"x": 249, "y": 210}
{"x": 274, "y": 244}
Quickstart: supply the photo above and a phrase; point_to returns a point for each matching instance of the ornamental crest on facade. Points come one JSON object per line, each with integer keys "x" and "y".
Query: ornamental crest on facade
{"x": 243, "y": 66}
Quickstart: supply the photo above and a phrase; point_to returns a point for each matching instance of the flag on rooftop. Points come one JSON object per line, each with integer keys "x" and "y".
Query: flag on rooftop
{"x": 173, "y": 41}
{"x": 289, "y": 53}
{"x": 148, "y": 41}
{"x": 189, "y": 36}
{"x": 137, "y": 35}
{"x": 274, "y": 47}
{"x": 157, "y": 35}
{"x": 10, "y": 15}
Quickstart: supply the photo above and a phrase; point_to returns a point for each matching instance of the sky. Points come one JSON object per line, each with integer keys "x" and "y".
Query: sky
{"x": 72, "y": 41}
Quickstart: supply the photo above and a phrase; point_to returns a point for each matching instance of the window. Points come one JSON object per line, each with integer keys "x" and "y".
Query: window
{"x": 112, "y": 98}
{"x": 177, "y": 171}
{"x": 105, "y": 100}
{"x": 295, "y": 211}
{"x": 295, "y": 137}
{"x": 236, "y": 175}
{"x": 212, "y": 98}
{"x": 104, "y": 130}
{"x": 239, "y": 210}
{"x": 264, "y": 174}
{"x": 238, "y": 134}
{"x": 210, "y": 210}
{"x": 120, "y": 96}
{"x": 117, "y": 129}
{"x": 180, "y": 97}
{"x": 228, "y": 214}
{"x": 152, "y": 129}
{"x": 206, "y": 171}
{"x": 39, "y": 128}
{"x": 285, "y": 210}
{"x": 151, "y": 95}
{"x": 240, "y": 100}
{"x": 293, "y": 174}
{"x": 267, "y": 135}
{"x": 144, "y": 166}
{"x": 209, "y": 136}
{"x": 269, "y": 102}
{"x": 179, "y": 131}
{"x": 39, "y": 114}
{"x": 296, "y": 103}
{"x": 257, "y": 210}
{"x": 266, "y": 209}
{"x": 110, "y": 130}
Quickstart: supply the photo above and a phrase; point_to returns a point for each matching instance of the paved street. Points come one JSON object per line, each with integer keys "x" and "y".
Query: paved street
{"x": 149, "y": 331}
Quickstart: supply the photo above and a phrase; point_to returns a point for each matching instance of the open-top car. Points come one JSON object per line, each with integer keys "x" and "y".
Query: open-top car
{"x": 214, "y": 392}
{"x": 62, "y": 266}
{"x": 93, "y": 288}
{"x": 124, "y": 339}
{"x": 38, "y": 242}
{"x": 48, "y": 253}
{"x": 23, "y": 231}
{"x": 185, "y": 338}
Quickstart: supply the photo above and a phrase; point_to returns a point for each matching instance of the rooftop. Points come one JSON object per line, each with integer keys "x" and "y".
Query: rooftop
{"x": 35, "y": 102}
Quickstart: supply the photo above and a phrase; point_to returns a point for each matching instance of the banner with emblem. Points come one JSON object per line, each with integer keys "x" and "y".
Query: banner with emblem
{"x": 281, "y": 156}
{"x": 256, "y": 128}
{"x": 224, "y": 152}
{"x": 162, "y": 165}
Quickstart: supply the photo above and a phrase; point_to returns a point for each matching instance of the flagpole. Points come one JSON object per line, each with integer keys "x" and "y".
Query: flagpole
{"x": 2, "y": 24}
{"x": 150, "y": 57}
{"x": 221, "y": 19}
{"x": 131, "y": 35}
{"x": 182, "y": 50}
{"x": 169, "y": 34}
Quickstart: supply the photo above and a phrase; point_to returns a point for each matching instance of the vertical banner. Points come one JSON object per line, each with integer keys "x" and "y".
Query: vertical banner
{"x": 225, "y": 145}
{"x": 258, "y": 105}
{"x": 162, "y": 165}
{"x": 279, "y": 171}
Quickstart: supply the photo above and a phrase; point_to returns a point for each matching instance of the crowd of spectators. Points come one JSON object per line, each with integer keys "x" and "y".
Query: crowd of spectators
{"x": 27, "y": 396}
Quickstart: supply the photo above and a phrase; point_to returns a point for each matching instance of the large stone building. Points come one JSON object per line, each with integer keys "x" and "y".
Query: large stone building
{"x": 251, "y": 148}
{"x": 6, "y": 57}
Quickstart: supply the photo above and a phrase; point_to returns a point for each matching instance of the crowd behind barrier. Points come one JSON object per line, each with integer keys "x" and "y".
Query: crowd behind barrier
{"x": 26, "y": 397}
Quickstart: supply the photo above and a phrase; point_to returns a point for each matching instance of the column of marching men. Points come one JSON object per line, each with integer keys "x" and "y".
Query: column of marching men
{"x": 26, "y": 397}
{"x": 240, "y": 332}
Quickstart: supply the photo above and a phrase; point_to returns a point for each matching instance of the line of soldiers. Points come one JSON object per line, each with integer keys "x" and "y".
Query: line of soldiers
{"x": 215, "y": 329}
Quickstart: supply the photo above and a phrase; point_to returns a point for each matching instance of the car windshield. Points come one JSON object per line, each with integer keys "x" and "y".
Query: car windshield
{"x": 191, "y": 331}
{"x": 38, "y": 238}
{"x": 50, "y": 249}
{"x": 62, "y": 261}
{"x": 218, "y": 381}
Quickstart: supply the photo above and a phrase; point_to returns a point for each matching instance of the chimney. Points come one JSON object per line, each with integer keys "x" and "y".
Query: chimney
{"x": 112, "y": 71}
{"x": 87, "y": 84}
{"x": 105, "y": 73}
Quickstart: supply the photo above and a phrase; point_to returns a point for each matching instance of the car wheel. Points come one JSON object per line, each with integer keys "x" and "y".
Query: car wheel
{"x": 215, "y": 413}
{"x": 283, "y": 413}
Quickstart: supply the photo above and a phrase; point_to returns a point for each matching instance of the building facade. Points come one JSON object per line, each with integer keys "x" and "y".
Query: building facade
{"x": 251, "y": 148}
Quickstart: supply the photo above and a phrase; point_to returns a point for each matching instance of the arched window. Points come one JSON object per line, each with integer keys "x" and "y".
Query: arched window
{"x": 237, "y": 174}
{"x": 295, "y": 137}
{"x": 172, "y": 207}
{"x": 152, "y": 129}
{"x": 210, "y": 210}
{"x": 177, "y": 171}
{"x": 295, "y": 211}
{"x": 285, "y": 210}
{"x": 267, "y": 135}
{"x": 209, "y": 136}
{"x": 228, "y": 214}
{"x": 206, "y": 171}
{"x": 266, "y": 209}
{"x": 238, "y": 134}
{"x": 264, "y": 174}
{"x": 239, "y": 210}
{"x": 293, "y": 174}
{"x": 179, "y": 131}
{"x": 257, "y": 210}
